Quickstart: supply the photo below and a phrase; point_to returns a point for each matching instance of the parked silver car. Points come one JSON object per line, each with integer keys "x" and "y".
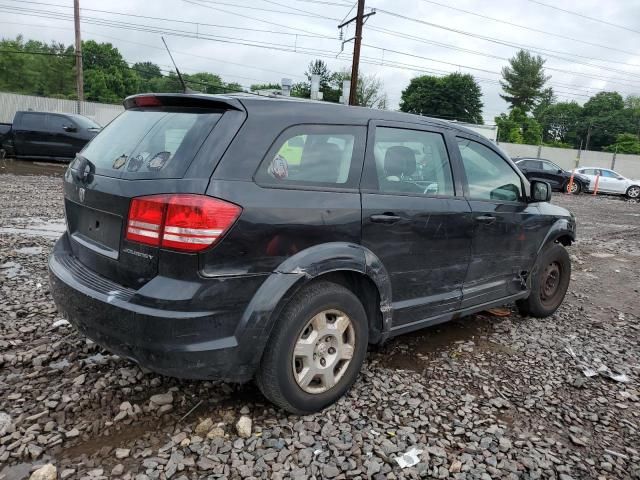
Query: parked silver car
{"x": 611, "y": 182}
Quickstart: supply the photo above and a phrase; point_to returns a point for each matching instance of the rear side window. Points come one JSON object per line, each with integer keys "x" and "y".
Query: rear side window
{"x": 150, "y": 143}
{"x": 530, "y": 164}
{"x": 489, "y": 176}
{"x": 34, "y": 121}
{"x": 314, "y": 155}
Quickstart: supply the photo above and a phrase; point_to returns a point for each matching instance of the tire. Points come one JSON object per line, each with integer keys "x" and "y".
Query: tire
{"x": 279, "y": 368}
{"x": 546, "y": 294}
{"x": 633, "y": 191}
{"x": 576, "y": 188}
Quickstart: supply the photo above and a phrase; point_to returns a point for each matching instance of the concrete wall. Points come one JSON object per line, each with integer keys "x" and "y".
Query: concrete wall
{"x": 626, "y": 165}
{"x": 10, "y": 103}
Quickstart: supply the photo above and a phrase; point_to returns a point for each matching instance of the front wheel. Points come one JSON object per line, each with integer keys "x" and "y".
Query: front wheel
{"x": 316, "y": 349}
{"x": 574, "y": 188}
{"x": 549, "y": 282}
{"x": 633, "y": 191}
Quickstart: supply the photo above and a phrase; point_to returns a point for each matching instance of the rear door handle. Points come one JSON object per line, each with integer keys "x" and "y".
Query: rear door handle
{"x": 487, "y": 219}
{"x": 385, "y": 218}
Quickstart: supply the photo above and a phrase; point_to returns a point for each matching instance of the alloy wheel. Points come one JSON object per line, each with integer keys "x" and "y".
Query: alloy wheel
{"x": 633, "y": 192}
{"x": 323, "y": 351}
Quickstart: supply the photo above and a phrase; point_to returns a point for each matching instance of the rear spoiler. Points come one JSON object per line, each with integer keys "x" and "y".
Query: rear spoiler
{"x": 182, "y": 100}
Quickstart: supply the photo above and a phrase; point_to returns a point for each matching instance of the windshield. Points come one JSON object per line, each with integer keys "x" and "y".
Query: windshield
{"x": 85, "y": 122}
{"x": 151, "y": 143}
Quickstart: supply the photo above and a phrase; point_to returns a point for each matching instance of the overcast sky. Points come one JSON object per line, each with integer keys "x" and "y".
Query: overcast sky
{"x": 620, "y": 62}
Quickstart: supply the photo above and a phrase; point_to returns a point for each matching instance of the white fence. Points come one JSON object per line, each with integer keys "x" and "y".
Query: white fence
{"x": 627, "y": 165}
{"x": 10, "y": 103}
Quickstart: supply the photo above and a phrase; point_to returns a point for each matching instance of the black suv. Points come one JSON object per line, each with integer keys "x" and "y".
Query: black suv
{"x": 235, "y": 237}
{"x": 547, "y": 171}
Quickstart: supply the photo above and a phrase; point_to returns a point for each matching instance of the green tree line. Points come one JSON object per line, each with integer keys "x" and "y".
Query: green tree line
{"x": 606, "y": 121}
{"x": 48, "y": 69}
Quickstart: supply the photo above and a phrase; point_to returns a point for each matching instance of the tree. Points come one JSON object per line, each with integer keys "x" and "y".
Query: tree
{"x": 625, "y": 143}
{"x": 547, "y": 99}
{"x": 523, "y": 80}
{"x": 107, "y": 76}
{"x": 454, "y": 97}
{"x": 604, "y": 117}
{"x": 518, "y": 127}
{"x": 560, "y": 122}
{"x": 265, "y": 86}
{"x": 602, "y": 104}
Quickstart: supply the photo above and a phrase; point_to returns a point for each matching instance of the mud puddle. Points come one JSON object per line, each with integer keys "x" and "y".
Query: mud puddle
{"x": 26, "y": 167}
{"x": 115, "y": 437}
{"x": 414, "y": 350}
{"x": 52, "y": 229}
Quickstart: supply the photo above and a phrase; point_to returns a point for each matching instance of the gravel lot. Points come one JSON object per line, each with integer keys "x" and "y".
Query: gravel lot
{"x": 484, "y": 397}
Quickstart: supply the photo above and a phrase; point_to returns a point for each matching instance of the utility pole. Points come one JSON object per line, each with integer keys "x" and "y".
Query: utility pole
{"x": 79, "y": 76}
{"x": 586, "y": 146}
{"x": 359, "y": 19}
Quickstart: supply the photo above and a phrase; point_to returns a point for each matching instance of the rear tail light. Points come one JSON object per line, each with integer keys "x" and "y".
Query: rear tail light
{"x": 182, "y": 222}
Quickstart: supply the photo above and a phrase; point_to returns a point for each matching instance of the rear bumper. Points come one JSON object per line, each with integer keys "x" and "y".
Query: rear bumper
{"x": 170, "y": 341}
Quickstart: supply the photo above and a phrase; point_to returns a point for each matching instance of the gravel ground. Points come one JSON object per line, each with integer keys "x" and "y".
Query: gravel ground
{"x": 484, "y": 397}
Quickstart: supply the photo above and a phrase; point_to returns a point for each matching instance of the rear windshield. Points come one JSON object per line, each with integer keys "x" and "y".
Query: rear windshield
{"x": 150, "y": 143}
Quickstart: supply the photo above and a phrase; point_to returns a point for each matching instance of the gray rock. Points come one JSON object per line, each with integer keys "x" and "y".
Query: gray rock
{"x": 243, "y": 426}
{"x": 330, "y": 471}
{"x": 162, "y": 398}
{"x": 204, "y": 427}
{"x": 6, "y": 425}
{"x": 46, "y": 472}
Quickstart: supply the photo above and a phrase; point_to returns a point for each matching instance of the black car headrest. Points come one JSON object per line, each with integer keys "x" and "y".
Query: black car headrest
{"x": 399, "y": 161}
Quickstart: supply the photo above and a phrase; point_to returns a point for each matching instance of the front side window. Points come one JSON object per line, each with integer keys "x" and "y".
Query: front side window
{"x": 489, "y": 175}
{"x": 412, "y": 161}
{"x": 550, "y": 167}
{"x": 314, "y": 155}
{"x": 57, "y": 123}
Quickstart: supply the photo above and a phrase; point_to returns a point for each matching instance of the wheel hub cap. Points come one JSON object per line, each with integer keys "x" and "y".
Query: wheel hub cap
{"x": 323, "y": 351}
{"x": 550, "y": 281}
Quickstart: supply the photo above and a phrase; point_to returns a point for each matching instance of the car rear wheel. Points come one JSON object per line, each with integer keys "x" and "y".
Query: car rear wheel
{"x": 549, "y": 282}
{"x": 574, "y": 188}
{"x": 633, "y": 191}
{"x": 316, "y": 349}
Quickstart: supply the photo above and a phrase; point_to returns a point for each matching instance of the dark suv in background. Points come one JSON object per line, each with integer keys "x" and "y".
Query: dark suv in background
{"x": 547, "y": 171}
{"x": 236, "y": 237}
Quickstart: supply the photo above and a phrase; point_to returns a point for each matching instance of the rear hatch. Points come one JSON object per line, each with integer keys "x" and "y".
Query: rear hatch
{"x": 161, "y": 146}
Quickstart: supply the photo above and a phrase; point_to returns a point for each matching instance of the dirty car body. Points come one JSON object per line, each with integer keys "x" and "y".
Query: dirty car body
{"x": 378, "y": 202}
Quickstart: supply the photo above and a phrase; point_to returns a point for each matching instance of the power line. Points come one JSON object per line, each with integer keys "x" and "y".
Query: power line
{"x": 323, "y": 2}
{"x": 493, "y": 40}
{"x": 565, "y": 37}
{"x": 306, "y": 12}
{"x": 577, "y": 14}
{"x": 279, "y": 47}
{"x": 204, "y": 24}
{"x": 252, "y": 18}
{"x": 270, "y": 10}
{"x": 488, "y": 55}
